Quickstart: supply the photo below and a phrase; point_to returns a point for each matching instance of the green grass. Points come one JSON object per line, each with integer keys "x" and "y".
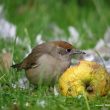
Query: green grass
{"x": 37, "y": 17}
{"x": 42, "y": 99}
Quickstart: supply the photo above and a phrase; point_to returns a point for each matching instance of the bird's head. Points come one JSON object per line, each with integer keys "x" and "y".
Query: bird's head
{"x": 62, "y": 50}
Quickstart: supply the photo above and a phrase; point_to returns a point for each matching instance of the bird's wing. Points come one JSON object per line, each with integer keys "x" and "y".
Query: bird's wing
{"x": 31, "y": 60}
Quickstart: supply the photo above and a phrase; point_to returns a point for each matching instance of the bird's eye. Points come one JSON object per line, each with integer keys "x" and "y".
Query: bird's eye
{"x": 68, "y": 50}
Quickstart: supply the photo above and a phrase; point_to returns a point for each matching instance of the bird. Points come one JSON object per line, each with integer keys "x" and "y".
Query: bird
{"x": 47, "y": 61}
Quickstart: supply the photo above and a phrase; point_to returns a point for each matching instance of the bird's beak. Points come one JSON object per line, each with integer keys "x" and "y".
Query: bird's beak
{"x": 74, "y": 51}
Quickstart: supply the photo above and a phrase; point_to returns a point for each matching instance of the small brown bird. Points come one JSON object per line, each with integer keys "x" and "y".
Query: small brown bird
{"x": 47, "y": 61}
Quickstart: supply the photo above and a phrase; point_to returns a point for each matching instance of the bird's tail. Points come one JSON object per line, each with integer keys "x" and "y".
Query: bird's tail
{"x": 17, "y": 66}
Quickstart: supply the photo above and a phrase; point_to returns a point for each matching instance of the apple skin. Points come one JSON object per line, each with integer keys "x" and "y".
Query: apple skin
{"x": 86, "y": 77}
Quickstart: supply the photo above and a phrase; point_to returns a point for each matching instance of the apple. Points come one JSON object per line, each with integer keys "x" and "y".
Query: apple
{"x": 86, "y": 77}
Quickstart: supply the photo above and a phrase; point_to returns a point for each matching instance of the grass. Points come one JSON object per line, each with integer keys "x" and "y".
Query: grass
{"x": 38, "y": 16}
{"x": 41, "y": 99}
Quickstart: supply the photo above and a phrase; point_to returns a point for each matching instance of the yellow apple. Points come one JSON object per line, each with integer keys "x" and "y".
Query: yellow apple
{"x": 86, "y": 77}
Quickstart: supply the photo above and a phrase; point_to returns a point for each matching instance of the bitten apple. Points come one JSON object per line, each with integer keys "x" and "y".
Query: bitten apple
{"x": 86, "y": 77}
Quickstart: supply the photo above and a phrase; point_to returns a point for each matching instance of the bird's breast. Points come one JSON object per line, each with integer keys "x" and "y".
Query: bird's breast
{"x": 49, "y": 67}
{"x": 51, "y": 64}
